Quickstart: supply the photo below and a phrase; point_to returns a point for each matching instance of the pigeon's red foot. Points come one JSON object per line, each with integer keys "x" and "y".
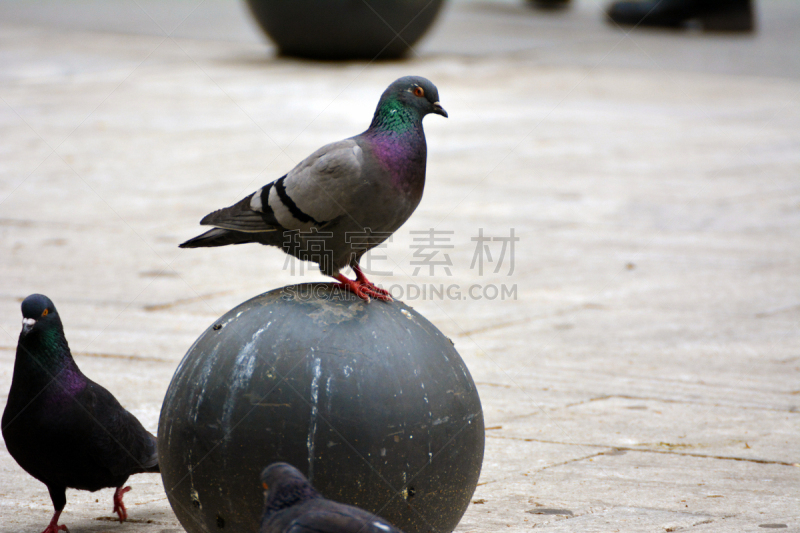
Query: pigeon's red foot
{"x": 119, "y": 507}
{"x": 53, "y": 526}
{"x": 361, "y": 278}
{"x": 363, "y": 288}
{"x": 383, "y": 294}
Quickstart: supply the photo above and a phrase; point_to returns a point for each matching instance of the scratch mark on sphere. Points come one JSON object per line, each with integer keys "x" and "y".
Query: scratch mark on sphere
{"x": 202, "y": 382}
{"x": 243, "y": 368}
{"x": 312, "y": 425}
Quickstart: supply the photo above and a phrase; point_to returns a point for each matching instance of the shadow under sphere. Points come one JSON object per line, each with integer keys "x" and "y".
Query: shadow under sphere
{"x": 371, "y": 401}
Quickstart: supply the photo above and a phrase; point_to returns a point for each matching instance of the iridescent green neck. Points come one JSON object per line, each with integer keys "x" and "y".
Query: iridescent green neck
{"x": 395, "y": 117}
{"x": 47, "y": 350}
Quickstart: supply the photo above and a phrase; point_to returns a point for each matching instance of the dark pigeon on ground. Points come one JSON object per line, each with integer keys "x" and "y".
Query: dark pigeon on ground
{"x": 292, "y": 505}
{"x": 63, "y": 428}
{"x": 345, "y": 198}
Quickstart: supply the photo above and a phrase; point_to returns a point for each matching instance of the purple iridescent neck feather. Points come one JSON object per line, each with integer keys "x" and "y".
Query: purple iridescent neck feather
{"x": 45, "y": 359}
{"x": 398, "y": 142}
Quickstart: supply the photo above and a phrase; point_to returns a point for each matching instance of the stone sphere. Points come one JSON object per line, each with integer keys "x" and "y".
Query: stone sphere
{"x": 345, "y": 29}
{"x": 370, "y": 401}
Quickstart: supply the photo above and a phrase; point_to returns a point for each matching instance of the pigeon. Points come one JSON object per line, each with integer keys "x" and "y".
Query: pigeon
{"x": 344, "y": 199}
{"x": 63, "y": 428}
{"x": 292, "y": 505}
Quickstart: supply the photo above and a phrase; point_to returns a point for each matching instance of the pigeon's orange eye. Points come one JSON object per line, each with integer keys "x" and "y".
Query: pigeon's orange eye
{"x": 266, "y": 487}
{"x": 44, "y": 313}
{"x": 419, "y": 91}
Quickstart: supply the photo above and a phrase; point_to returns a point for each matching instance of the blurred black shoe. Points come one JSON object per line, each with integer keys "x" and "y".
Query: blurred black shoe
{"x": 713, "y": 15}
{"x": 549, "y": 4}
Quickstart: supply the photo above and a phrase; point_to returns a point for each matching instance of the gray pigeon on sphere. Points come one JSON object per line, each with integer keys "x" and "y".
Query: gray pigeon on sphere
{"x": 345, "y": 198}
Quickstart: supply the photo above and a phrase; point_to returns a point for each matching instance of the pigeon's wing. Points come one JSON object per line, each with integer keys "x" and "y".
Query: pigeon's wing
{"x": 338, "y": 518}
{"x": 246, "y": 215}
{"x": 320, "y": 189}
{"x": 119, "y": 441}
{"x": 315, "y": 192}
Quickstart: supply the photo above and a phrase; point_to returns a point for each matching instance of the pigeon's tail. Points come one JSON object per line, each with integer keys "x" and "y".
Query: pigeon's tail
{"x": 218, "y": 237}
{"x": 150, "y": 465}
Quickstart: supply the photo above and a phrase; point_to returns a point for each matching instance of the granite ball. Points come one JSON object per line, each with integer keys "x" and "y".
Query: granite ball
{"x": 369, "y": 400}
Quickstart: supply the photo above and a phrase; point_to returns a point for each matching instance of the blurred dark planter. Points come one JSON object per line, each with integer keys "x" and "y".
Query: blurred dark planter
{"x": 345, "y": 29}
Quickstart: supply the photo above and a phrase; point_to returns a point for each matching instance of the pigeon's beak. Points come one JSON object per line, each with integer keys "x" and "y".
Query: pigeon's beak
{"x": 439, "y": 110}
{"x": 27, "y": 324}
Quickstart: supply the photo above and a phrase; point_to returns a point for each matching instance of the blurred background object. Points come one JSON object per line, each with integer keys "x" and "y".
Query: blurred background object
{"x": 712, "y": 15}
{"x": 345, "y": 29}
{"x": 576, "y": 36}
{"x": 550, "y": 4}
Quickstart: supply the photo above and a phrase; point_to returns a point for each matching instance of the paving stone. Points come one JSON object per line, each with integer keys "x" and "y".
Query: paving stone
{"x": 643, "y": 377}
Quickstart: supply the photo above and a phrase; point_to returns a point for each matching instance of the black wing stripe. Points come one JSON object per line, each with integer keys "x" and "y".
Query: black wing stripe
{"x": 265, "y": 207}
{"x": 290, "y": 205}
{"x": 267, "y": 213}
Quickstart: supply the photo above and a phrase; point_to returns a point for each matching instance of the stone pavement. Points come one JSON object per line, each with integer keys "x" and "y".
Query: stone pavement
{"x": 645, "y": 377}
